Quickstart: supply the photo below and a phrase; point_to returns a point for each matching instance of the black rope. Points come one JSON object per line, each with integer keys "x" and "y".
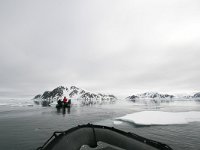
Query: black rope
{"x": 54, "y": 135}
{"x": 95, "y": 138}
{"x": 40, "y": 148}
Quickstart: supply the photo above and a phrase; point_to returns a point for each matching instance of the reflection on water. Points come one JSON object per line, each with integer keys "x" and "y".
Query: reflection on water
{"x": 68, "y": 110}
{"x": 63, "y": 110}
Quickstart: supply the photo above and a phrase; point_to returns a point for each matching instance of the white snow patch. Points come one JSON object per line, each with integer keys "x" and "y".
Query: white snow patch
{"x": 161, "y": 118}
{"x": 54, "y": 103}
{"x": 117, "y": 122}
{"x": 3, "y": 104}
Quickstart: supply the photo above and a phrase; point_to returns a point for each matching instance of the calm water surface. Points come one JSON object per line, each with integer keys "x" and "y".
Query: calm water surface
{"x": 28, "y": 127}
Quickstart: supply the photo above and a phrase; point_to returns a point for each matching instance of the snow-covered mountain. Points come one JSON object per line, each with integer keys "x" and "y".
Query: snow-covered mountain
{"x": 197, "y": 95}
{"x": 76, "y": 94}
{"x": 188, "y": 96}
{"x": 183, "y": 96}
{"x": 132, "y": 98}
{"x": 150, "y": 95}
{"x": 154, "y": 95}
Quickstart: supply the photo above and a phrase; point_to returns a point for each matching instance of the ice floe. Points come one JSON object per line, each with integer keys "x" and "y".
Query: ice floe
{"x": 161, "y": 118}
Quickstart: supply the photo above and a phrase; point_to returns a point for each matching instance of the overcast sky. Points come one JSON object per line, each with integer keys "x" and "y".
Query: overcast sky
{"x": 122, "y": 47}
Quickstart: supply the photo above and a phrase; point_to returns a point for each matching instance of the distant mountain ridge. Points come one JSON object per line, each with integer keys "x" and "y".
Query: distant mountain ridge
{"x": 150, "y": 95}
{"x": 74, "y": 92}
{"x": 86, "y": 97}
{"x": 156, "y": 95}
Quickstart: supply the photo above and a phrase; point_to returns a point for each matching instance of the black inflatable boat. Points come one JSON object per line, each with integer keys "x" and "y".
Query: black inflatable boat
{"x": 63, "y": 105}
{"x": 88, "y": 137}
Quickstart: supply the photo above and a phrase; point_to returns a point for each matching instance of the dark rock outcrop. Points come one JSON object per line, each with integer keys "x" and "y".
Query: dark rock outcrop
{"x": 37, "y": 96}
{"x": 55, "y": 93}
{"x": 197, "y": 95}
{"x": 154, "y": 95}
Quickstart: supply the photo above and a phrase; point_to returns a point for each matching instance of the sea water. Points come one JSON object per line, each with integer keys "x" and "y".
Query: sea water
{"x": 26, "y": 126}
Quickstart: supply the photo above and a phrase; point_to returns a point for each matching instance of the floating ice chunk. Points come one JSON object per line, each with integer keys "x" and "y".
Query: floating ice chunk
{"x": 161, "y": 118}
{"x": 3, "y": 104}
{"x": 117, "y": 122}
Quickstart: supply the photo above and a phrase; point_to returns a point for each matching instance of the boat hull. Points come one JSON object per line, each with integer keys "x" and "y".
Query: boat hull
{"x": 75, "y": 138}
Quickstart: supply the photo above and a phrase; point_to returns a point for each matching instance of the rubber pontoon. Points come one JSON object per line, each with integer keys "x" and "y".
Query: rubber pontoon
{"x": 92, "y": 136}
{"x": 64, "y": 105}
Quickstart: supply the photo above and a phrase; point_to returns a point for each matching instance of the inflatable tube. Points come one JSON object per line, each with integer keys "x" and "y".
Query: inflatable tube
{"x": 75, "y": 138}
{"x": 67, "y": 105}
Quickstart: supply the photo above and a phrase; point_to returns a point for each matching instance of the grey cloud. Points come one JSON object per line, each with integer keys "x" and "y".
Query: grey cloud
{"x": 109, "y": 45}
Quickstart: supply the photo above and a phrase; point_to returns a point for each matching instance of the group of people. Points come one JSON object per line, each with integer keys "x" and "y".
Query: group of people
{"x": 64, "y": 102}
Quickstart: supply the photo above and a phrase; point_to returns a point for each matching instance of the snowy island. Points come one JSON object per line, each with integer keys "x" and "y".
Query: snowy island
{"x": 78, "y": 95}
